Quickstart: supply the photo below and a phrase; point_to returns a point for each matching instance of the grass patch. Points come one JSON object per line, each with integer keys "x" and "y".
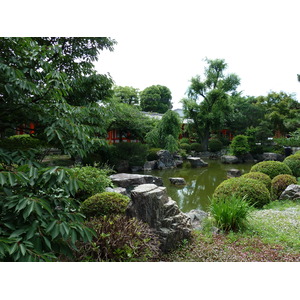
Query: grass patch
{"x": 272, "y": 235}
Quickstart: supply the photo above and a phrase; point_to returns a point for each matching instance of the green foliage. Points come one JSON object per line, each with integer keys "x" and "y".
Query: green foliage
{"x": 21, "y": 142}
{"x": 152, "y": 154}
{"x": 165, "y": 134}
{"x": 271, "y": 168}
{"x": 293, "y": 162}
{"x": 40, "y": 77}
{"x": 196, "y": 147}
{"x": 215, "y": 145}
{"x": 230, "y": 213}
{"x": 106, "y": 203}
{"x": 128, "y": 119}
{"x": 280, "y": 183}
{"x": 119, "y": 239}
{"x": 255, "y": 192}
{"x": 239, "y": 145}
{"x": 208, "y": 104}
{"x": 126, "y": 94}
{"x": 94, "y": 181}
{"x": 39, "y": 219}
{"x": 184, "y": 141}
{"x": 264, "y": 178}
{"x": 156, "y": 98}
{"x": 186, "y": 147}
{"x": 135, "y": 153}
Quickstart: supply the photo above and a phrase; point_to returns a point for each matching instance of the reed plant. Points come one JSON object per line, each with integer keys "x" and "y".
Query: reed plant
{"x": 230, "y": 213}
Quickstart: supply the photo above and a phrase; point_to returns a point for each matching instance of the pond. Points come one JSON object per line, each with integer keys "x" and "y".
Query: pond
{"x": 201, "y": 182}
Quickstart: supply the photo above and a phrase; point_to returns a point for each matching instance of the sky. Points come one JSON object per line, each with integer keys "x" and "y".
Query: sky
{"x": 167, "y": 44}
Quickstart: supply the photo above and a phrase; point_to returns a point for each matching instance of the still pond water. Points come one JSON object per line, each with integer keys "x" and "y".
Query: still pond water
{"x": 201, "y": 182}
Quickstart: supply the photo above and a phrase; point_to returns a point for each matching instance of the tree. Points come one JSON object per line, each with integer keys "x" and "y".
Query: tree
{"x": 244, "y": 113}
{"x": 282, "y": 112}
{"x": 207, "y": 100}
{"x": 126, "y": 94}
{"x": 156, "y": 98}
{"x": 127, "y": 118}
{"x": 165, "y": 134}
{"x": 41, "y": 81}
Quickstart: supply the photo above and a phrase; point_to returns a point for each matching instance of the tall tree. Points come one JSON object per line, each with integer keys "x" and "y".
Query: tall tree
{"x": 282, "y": 112}
{"x": 207, "y": 100}
{"x": 156, "y": 98}
{"x": 42, "y": 80}
{"x": 126, "y": 94}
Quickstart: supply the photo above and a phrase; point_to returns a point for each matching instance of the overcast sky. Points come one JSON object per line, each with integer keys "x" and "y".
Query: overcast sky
{"x": 165, "y": 43}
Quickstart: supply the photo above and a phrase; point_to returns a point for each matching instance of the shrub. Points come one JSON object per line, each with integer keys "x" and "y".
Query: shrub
{"x": 152, "y": 154}
{"x": 92, "y": 181}
{"x": 185, "y": 147}
{"x": 230, "y": 213}
{"x": 293, "y": 162}
{"x": 239, "y": 145}
{"x": 271, "y": 168}
{"x": 39, "y": 218}
{"x": 135, "y": 153}
{"x": 21, "y": 142}
{"x": 106, "y": 203}
{"x": 119, "y": 239}
{"x": 196, "y": 147}
{"x": 280, "y": 183}
{"x": 264, "y": 178}
{"x": 184, "y": 141}
{"x": 255, "y": 192}
{"x": 104, "y": 155}
{"x": 215, "y": 145}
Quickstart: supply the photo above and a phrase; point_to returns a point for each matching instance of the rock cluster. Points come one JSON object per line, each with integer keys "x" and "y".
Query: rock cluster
{"x": 151, "y": 204}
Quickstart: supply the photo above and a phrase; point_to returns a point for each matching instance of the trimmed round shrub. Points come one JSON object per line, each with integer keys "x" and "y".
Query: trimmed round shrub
{"x": 196, "y": 147}
{"x": 184, "y": 141}
{"x": 280, "y": 183}
{"x": 293, "y": 162}
{"x": 215, "y": 145}
{"x": 93, "y": 181}
{"x": 185, "y": 147}
{"x": 240, "y": 145}
{"x": 271, "y": 168}
{"x": 255, "y": 192}
{"x": 107, "y": 203}
{"x": 119, "y": 239}
{"x": 152, "y": 154}
{"x": 264, "y": 178}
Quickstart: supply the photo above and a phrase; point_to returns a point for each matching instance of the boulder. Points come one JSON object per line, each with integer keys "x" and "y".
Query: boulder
{"x": 150, "y": 165}
{"x": 177, "y": 180}
{"x": 151, "y": 204}
{"x": 165, "y": 160}
{"x": 130, "y": 181}
{"x": 229, "y": 159}
{"x": 197, "y": 216}
{"x": 178, "y": 162}
{"x": 233, "y": 173}
{"x": 292, "y": 192}
{"x": 119, "y": 190}
{"x": 197, "y": 162}
{"x": 272, "y": 156}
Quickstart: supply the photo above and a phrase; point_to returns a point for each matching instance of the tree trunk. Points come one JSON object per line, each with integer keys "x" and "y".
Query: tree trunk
{"x": 205, "y": 139}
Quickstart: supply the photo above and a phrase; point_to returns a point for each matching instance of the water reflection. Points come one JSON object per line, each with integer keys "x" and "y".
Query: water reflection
{"x": 201, "y": 183}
